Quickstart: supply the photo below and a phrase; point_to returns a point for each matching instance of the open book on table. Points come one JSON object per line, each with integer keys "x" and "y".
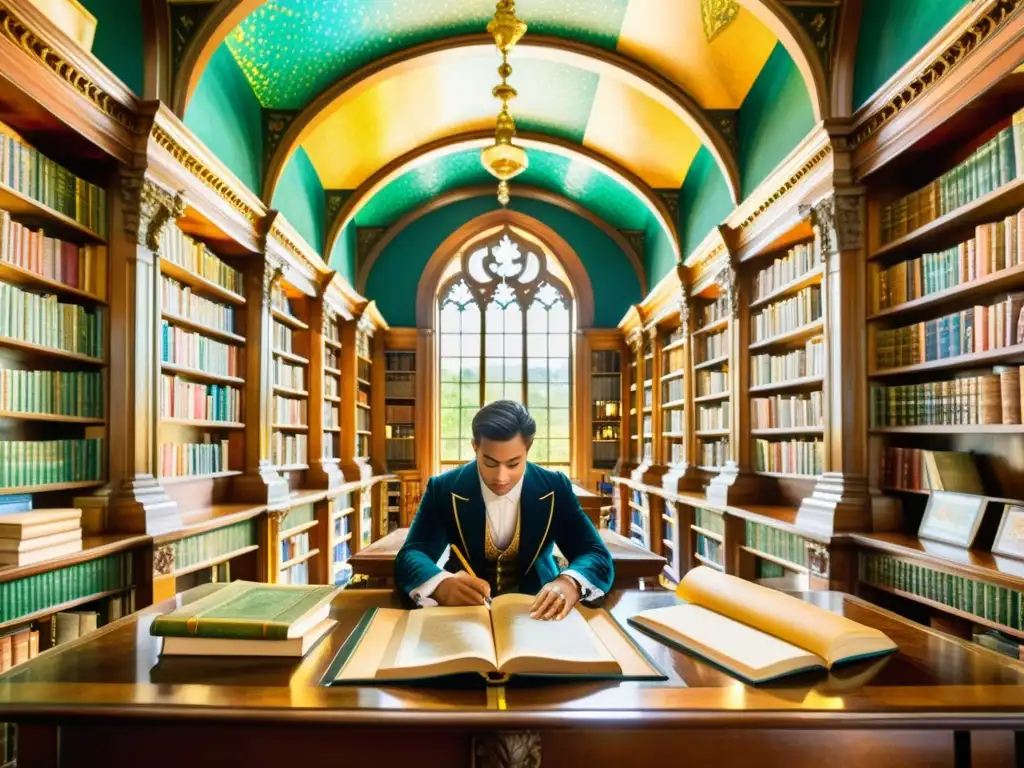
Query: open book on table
{"x": 755, "y": 632}
{"x": 395, "y": 645}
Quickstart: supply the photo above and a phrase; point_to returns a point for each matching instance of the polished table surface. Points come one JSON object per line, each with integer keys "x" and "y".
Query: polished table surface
{"x": 632, "y": 563}
{"x": 934, "y": 681}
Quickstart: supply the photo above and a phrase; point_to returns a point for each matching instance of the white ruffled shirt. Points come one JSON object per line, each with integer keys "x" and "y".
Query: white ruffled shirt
{"x": 502, "y": 515}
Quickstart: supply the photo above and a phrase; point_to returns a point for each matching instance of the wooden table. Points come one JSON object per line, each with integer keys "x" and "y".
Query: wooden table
{"x": 112, "y": 701}
{"x": 633, "y": 564}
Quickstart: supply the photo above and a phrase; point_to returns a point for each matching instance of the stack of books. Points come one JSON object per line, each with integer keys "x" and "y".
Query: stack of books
{"x": 42, "y": 534}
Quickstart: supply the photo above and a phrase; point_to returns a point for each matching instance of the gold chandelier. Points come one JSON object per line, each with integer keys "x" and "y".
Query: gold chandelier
{"x": 503, "y": 159}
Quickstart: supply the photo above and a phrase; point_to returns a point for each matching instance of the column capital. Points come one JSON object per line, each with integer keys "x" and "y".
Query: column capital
{"x": 148, "y": 207}
{"x": 839, "y": 221}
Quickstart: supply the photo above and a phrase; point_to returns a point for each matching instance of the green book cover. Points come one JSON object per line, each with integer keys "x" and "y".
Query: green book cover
{"x": 244, "y": 610}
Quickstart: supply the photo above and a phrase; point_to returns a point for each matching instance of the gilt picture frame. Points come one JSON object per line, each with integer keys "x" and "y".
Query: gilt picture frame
{"x": 952, "y": 518}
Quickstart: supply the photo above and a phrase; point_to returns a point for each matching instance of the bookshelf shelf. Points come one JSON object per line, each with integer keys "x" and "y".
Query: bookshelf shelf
{"x": 674, "y": 375}
{"x": 711, "y": 433}
{"x": 205, "y": 330}
{"x": 712, "y": 398}
{"x": 717, "y": 325}
{"x": 935, "y": 234}
{"x": 332, "y": 399}
{"x": 797, "y": 334}
{"x": 28, "y": 416}
{"x": 24, "y": 346}
{"x": 794, "y": 286}
{"x": 50, "y": 487}
{"x": 178, "y": 479}
{"x": 289, "y": 392}
{"x": 708, "y": 561}
{"x": 723, "y": 360}
{"x": 1003, "y": 280}
{"x": 961, "y": 429}
{"x": 673, "y": 405}
{"x": 291, "y": 357}
{"x": 296, "y": 530}
{"x": 785, "y": 475}
{"x": 192, "y": 373}
{"x": 364, "y": 406}
{"x": 333, "y": 430}
{"x": 673, "y": 434}
{"x": 680, "y": 343}
{"x": 769, "y": 431}
{"x": 710, "y": 468}
{"x": 66, "y": 606}
{"x": 16, "y": 203}
{"x": 332, "y": 371}
{"x": 332, "y": 343}
{"x": 11, "y": 273}
{"x": 212, "y": 424}
{"x": 292, "y": 427}
{"x": 289, "y": 320}
{"x": 804, "y": 381}
{"x": 960, "y": 361}
{"x": 211, "y": 562}
{"x": 200, "y": 284}
{"x": 362, "y": 381}
{"x": 292, "y": 467}
{"x": 299, "y": 560}
{"x": 790, "y": 566}
{"x": 710, "y": 534}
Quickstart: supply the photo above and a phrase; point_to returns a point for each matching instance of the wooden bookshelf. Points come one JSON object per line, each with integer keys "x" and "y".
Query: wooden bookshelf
{"x": 291, "y": 346}
{"x": 605, "y": 408}
{"x": 400, "y": 415}
{"x": 675, "y": 390}
{"x": 201, "y": 356}
{"x": 711, "y": 353}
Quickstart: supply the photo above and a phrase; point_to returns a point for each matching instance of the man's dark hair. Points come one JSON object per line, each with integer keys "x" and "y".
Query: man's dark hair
{"x": 502, "y": 420}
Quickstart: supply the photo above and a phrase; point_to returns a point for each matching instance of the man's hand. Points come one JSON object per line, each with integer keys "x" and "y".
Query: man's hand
{"x": 555, "y": 599}
{"x": 462, "y": 589}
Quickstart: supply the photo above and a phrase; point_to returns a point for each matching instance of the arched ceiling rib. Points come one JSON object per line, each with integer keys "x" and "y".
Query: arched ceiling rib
{"x": 595, "y": 182}
{"x": 636, "y": 116}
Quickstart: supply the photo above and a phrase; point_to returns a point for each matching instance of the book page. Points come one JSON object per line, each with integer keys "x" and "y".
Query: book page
{"x": 753, "y": 654}
{"x": 435, "y": 639}
{"x": 524, "y": 644}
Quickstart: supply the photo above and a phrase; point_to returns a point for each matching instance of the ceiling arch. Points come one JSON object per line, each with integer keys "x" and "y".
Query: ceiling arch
{"x": 600, "y": 22}
{"x": 467, "y": 193}
{"x": 449, "y": 161}
{"x": 320, "y": 115}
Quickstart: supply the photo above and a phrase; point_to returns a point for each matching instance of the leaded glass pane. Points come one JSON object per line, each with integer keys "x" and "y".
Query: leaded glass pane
{"x": 559, "y": 394}
{"x": 471, "y": 394}
{"x": 450, "y": 369}
{"x": 558, "y": 370}
{"x": 513, "y": 369}
{"x": 536, "y": 395}
{"x": 559, "y": 344}
{"x": 450, "y": 395}
{"x": 471, "y": 369}
{"x": 494, "y": 390}
{"x": 450, "y": 345}
{"x": 559, "y": 422}
{"x": 559, "y": 450}
{"x": 536, "y": 345}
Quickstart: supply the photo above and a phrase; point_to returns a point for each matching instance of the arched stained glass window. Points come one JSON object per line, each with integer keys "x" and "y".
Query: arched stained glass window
{"x": 506, "y": 321}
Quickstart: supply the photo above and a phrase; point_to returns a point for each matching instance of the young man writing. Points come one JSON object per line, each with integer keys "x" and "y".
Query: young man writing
{"x": 503, "y": 516}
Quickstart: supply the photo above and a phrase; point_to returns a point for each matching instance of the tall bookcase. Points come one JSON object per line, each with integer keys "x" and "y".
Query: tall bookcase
{"x": 400, "y": 409}
{"x": 711, "y": 350}
{"x": 201, "y": 353}
{"x": 290, "y": 349}
{"x": 605, "y": 408}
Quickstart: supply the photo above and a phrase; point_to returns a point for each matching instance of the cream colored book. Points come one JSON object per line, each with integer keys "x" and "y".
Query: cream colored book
{"x": 39, "y": 555}
{"x": 41, "y": 542}
{"x": 395, "y": 645}
{"x": 39, "y": 522}
{"x": 755, "y": 632}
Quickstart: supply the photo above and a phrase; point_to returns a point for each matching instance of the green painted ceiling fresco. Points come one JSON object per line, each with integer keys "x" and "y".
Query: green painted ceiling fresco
{"x": 290, "y": 50}
{"x": 576, "y": 180}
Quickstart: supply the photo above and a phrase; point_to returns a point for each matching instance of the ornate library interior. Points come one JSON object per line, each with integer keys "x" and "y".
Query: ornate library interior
{"x": 721, "y": 301}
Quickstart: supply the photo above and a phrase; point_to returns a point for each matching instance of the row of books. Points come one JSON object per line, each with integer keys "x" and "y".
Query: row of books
{"x": 787, "y": 314}
{"x": 46, "y": 462}
{"x": 363, "y": 419}
{"x": 770, "y": 540}
{"x": 712, "y": 383}
{"x": 673, "y": 391}
{"x": 282, "y": 337}
{"x": 332, "y": 360}
{"x": 992, "y": 398}
{"x": 714, "y": 453}
{"x": 291, "y": 376}
{"x": 915, "y": 469}
{"x": 178, "y": 299}
{"x": 37, "y": 535}
{"x": 676, "y": 453}
{"x": 47, "y": 322}
{"x": 295, "y": 574}
{"x": 995, "y": 247}
{"x": 279, "y": 300}
{"x": 798, "y": 364}
{"x": 204, "y": 547}
{"x": 193, "y": 350}
{"x": 793, "y": 457}
{"x": 713, "y": 312}
{"x": 648, "y": 396}
{"x": 16, "y": 648}
{"x": 399, "y": 385}
{"x": 798, "y": 261}
{"x": 289, "y": 410}
{"x": 181, "y": 399}
{"x": 671, "y": 338}
{"x": 294, "y": 546}
{"x": 62, "y": 393}
{"x": 400, "y": 449}
{"x": 332, "y": 415}
{"x": 363, "y": 345}
{"x": 605, "y": 454}
{"x": 28, "y": 171}
{"x": 978, "y": 329}
{"x": 363, "y": 368}
{"x": 183, "y": 459}
{"x": 782, "y": 411}
{"x": 400, "y": 362}
{"x": 674, "y": 360}
{"x": 286, "y": 448}
{"x": 606, "y": 388}
{"x": 78, "y": 266}
{"x": 713, "y": 416}
{"x": 179, "y": 248}
{"x": 332, "y": 386}
{"x": 400, "y": 414}
{"x": 995, "y": 163}
{"x": 709, "y": 520}
{"x": 708, "y": 548}
{"x": 675, "y": 421}
{"x": 714, "y": 346}
{"x": 363, "y": 446}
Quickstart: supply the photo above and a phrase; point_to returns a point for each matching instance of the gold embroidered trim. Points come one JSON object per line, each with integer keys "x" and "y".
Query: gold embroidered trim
{"x": 458, "y": 525}
{"x": 551, "y": 515}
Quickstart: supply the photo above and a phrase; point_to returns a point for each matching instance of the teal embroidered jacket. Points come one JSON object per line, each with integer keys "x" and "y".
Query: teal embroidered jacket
{"x": 452, "y": 511}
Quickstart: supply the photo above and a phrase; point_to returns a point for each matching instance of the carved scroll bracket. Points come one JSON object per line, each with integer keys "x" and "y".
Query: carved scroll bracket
{"x": 839, "y": 221}
{"x": 683, "y": 303}
{"x": 163, "y": 560}
{"x": 507, "y": 749}
{"x": 272, "y": 272}
{"x": 278, "y": 515}
{"x": 729, "y": 283}
{"x": 148, "y": 208}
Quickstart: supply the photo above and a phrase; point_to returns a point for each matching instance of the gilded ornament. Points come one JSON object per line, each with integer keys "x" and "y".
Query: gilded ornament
{"x": 278, "y": 515}
{"x": 148, "y": 208}
{"x": 163, "y": 560}
{"x": 791, "y": 182}
{"x": 818, "y": 559}
{"x": 272, "y": 271}
{"x": 504, "y": 159}
{"x": 716, "y": 15}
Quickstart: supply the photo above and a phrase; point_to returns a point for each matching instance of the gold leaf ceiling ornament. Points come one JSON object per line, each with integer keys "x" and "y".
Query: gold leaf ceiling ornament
{"x": 505, "y": 160}
{"x": 717, "y": 15}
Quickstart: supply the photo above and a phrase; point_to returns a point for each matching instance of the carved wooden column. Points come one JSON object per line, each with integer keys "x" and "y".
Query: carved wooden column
{"x": 633, "y": 459}
{"x": 139, "y": 504}
{"x": 736, "y": 484}
{"x": 841, "y": 500}
{"x": 427, "y": 397}
{"x": 261, "y": 482}
{"x": 684, "y": 476}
